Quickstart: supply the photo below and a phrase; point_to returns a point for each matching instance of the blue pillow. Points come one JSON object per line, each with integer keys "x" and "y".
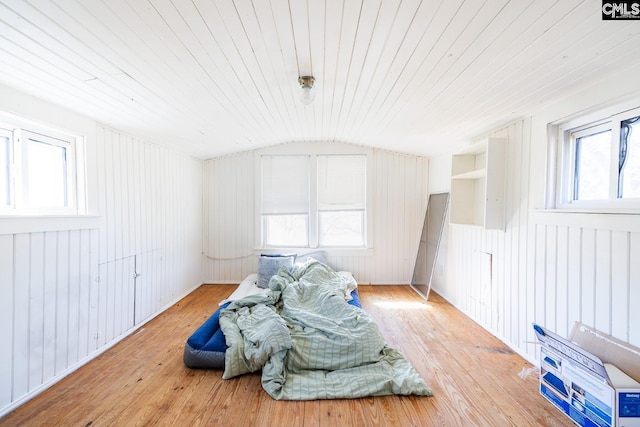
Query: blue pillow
{"x": 268, "y": 266}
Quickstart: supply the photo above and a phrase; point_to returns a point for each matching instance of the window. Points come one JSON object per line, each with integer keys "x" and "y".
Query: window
{"x": 599, "y": 163}
{"x": 591, "y": 163}
{"x": 285, "y": 200}
{"x": 313, "y": 200}
{"x": 341, "y": 200}
{"x": 39, "y": 172}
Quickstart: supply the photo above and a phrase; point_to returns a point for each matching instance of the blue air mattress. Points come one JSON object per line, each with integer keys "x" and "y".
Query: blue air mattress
{"x": 206, "y": 347}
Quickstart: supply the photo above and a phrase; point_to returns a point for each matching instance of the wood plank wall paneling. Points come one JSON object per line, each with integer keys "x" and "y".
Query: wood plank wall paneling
{"x": 552, "y": 274}
{"x": 633, "y": 292}
{"x": 400, "y": 199}
{"x": 589, "y": 278}
{"x": 67, "y": 295}
{"x": 7, "y": 299}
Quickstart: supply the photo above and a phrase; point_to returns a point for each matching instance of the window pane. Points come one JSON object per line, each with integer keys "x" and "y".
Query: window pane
{"x": 45, "y": 174}
{"x": 630, "y": 174}
{"x": 342, "y": 228}
{"x": 285, "y": 184}
{"x": 285, "y": 230}
{"x": 5, "y": 170}
{"x": 593, "y": 158}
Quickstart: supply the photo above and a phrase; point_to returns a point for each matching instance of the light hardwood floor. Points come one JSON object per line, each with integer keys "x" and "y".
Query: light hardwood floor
{"x": 142, "y": 380}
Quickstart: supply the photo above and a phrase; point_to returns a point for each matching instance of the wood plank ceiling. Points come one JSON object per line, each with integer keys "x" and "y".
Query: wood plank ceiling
{"x": 212, "y": 77}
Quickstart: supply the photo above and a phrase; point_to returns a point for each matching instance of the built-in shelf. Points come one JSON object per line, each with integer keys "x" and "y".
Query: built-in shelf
{"x": 477, "y": 185}
{"x": 475, "y": 174}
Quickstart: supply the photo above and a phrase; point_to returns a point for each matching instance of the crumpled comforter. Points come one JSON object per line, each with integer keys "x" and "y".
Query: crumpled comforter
{"x": 311, "y": 344}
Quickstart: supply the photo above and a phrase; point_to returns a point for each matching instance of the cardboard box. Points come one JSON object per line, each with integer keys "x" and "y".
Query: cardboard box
{"x": 575, "y": 379}
{"x": 627, "y": 402}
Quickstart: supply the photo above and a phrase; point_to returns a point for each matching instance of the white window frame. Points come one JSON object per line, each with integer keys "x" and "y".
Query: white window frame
{"x": 313, "y": 150}
{"x": 18, "y": 133}
{"x": 8, "y": 134}
{"x": 562, "y": 156}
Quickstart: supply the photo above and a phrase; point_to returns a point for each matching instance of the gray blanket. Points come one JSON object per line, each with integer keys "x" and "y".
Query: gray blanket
{"x": 311, "y": 344}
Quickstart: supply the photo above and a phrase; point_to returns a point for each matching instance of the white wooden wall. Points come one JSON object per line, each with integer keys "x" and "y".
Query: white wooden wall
{"x": 68, "y": 294}
{"x": 150, "y": 200}
{"x": 400, "y": 198}
{"x": 548, "y": 268}
{"x": 588, "y": 274}
{"x": 496, "y": 302}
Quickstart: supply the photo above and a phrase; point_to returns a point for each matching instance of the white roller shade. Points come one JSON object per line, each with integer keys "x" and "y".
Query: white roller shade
{"x": 342, "y": 182}
{"x": 285, "y": 184}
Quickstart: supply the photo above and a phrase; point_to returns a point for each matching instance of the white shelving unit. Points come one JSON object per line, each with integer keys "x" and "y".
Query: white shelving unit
{"x": 477, "y": 185}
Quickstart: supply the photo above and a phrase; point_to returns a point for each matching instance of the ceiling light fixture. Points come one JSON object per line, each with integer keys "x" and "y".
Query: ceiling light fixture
{"x": 307, "y": 94}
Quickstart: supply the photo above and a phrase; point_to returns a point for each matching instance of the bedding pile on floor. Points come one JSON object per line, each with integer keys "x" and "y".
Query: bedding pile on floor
{"x": 311, "y": 344}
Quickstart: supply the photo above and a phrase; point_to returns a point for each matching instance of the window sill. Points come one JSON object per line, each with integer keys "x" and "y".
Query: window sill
{"x": 601, "y": 211}
{"x": 331, "y": 252}
{"x": 614, "y": 221}
{"x": 15, "y": 224}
